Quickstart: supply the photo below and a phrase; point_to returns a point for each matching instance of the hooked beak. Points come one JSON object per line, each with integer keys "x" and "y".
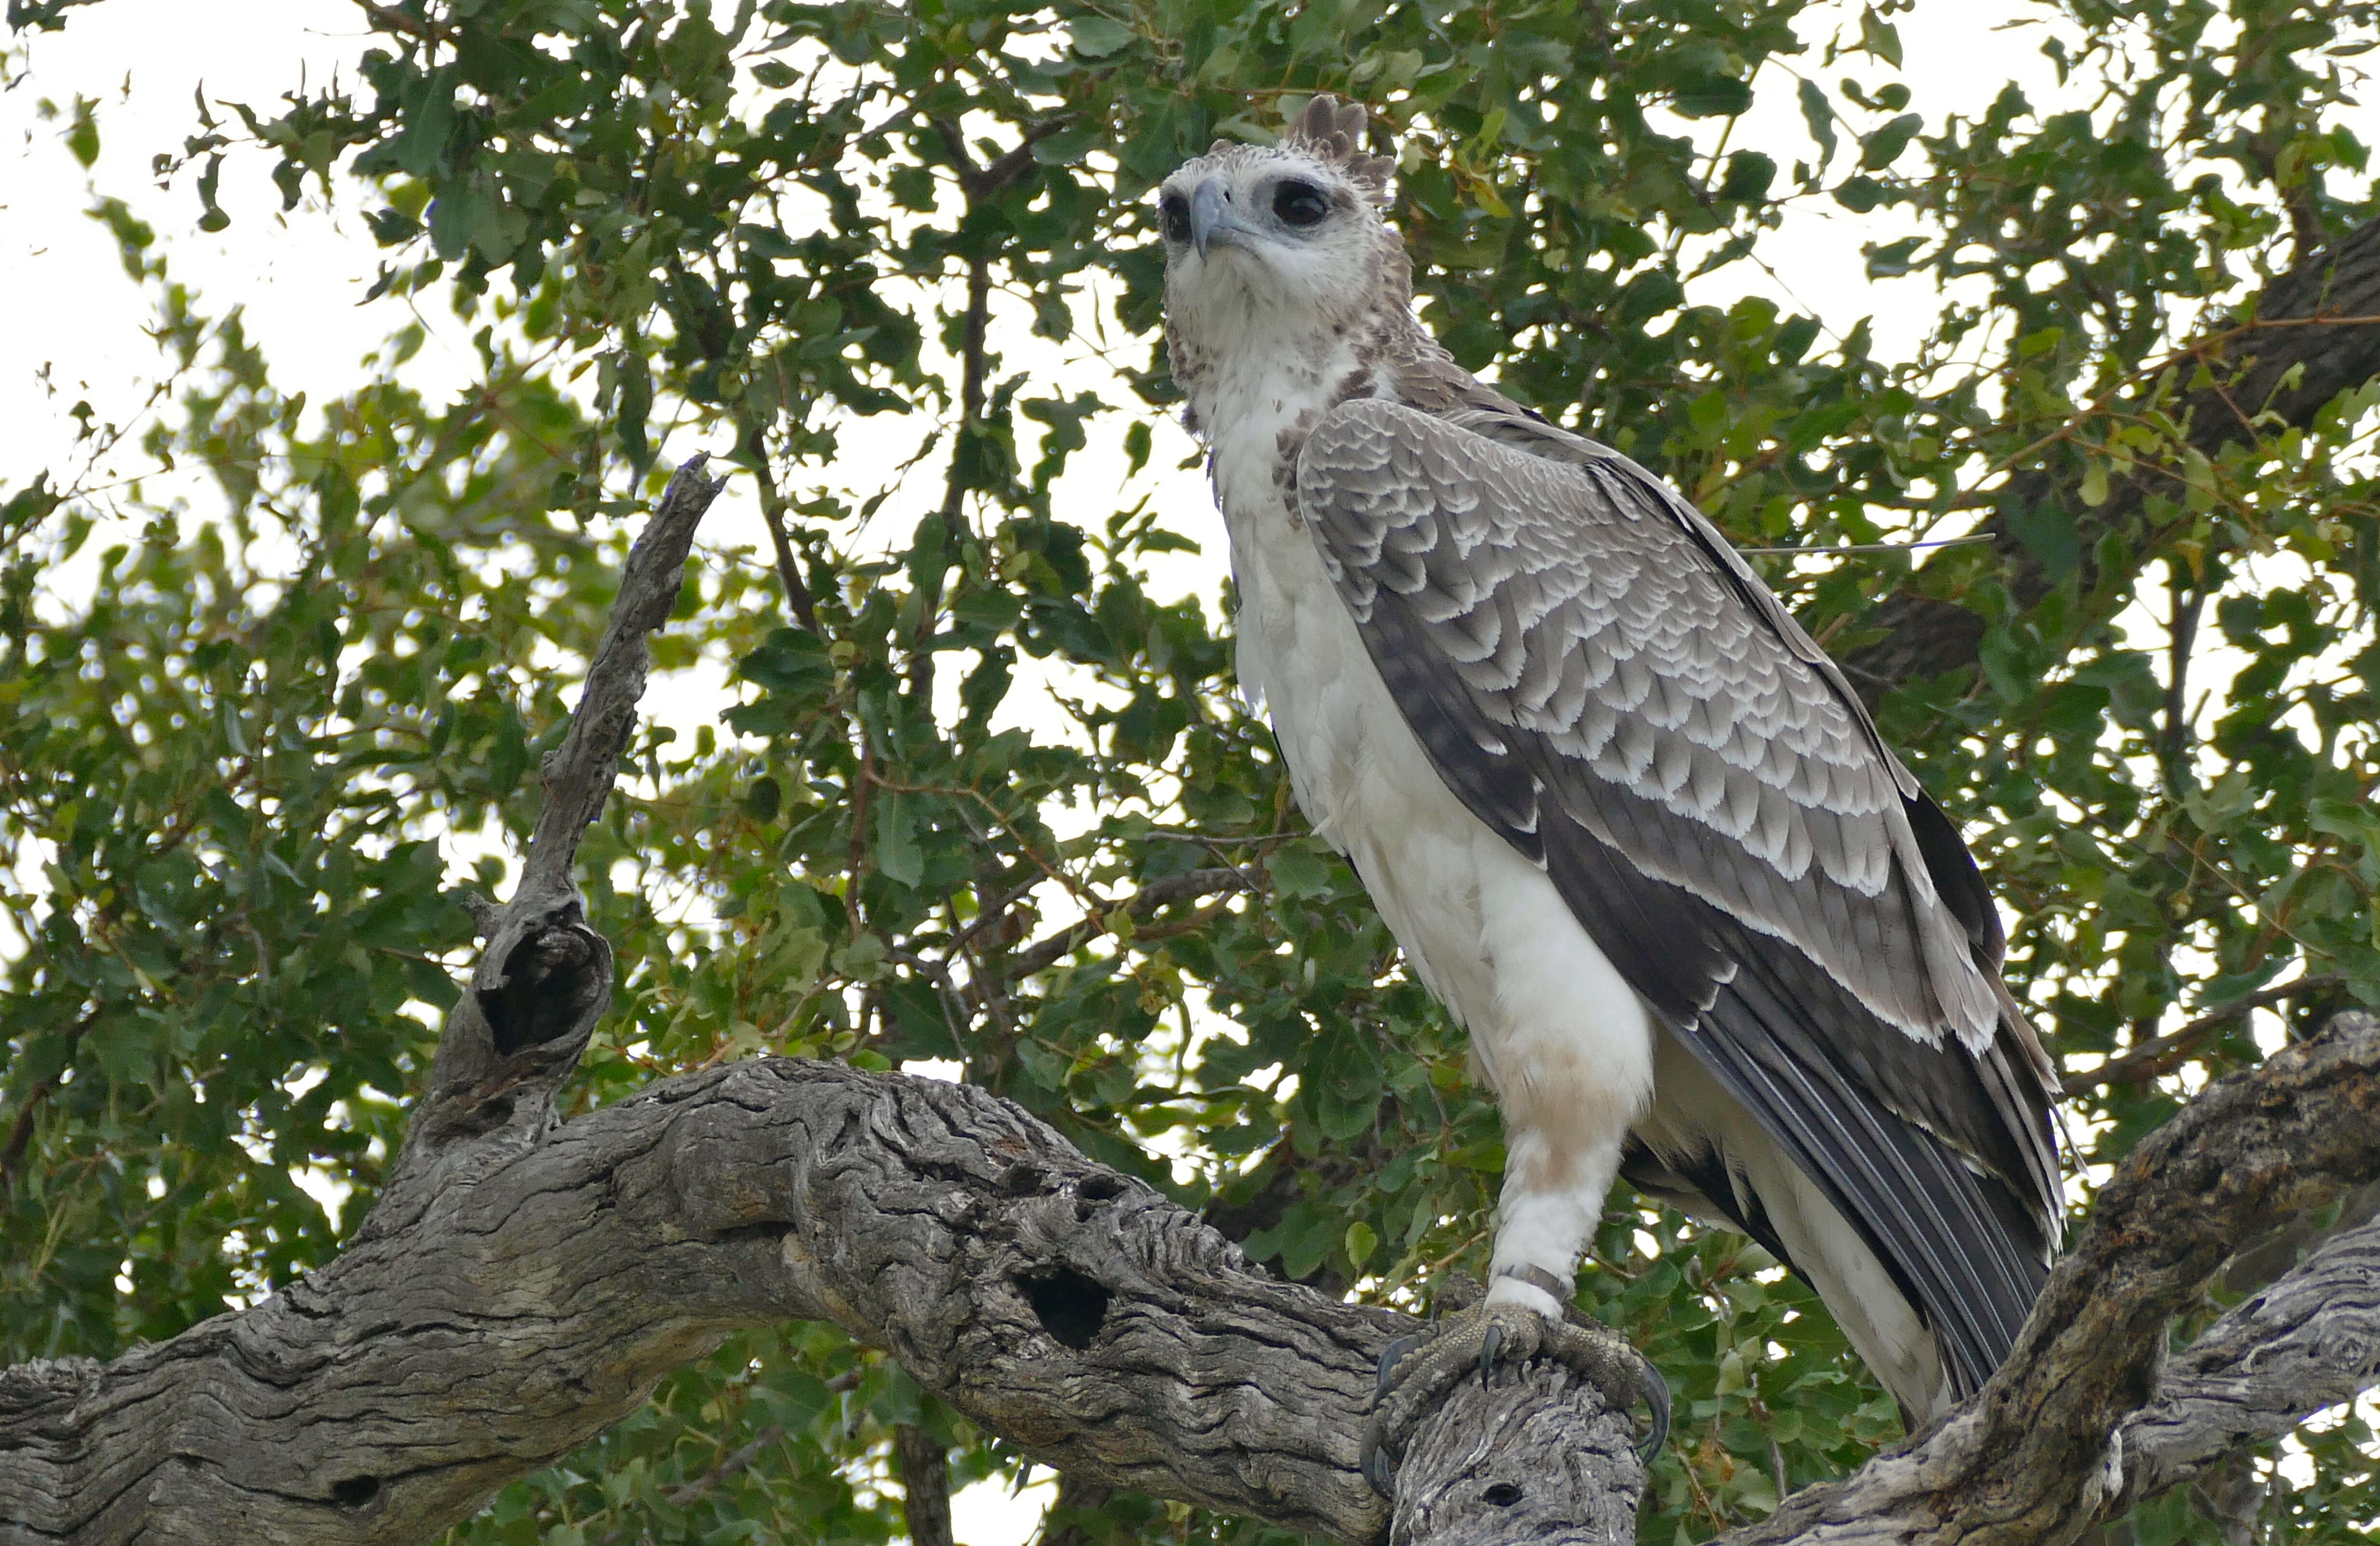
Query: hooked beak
{"x": 1210, "y": 218}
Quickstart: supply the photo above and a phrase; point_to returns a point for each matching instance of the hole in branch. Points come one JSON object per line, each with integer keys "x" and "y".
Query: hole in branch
{"x": 354, "y": 1492}
{"x": 1100, "y": 1186}
{"x": 551, "y": 979}
{"x": 1070, "y": 1307}
{"x": 1504, "y": 1495}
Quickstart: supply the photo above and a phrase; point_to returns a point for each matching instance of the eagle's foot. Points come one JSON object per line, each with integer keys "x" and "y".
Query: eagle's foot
{"x": 1417, "y": 1372}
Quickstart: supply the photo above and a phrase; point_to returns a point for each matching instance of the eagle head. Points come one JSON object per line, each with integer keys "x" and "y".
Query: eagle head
{"x": 1280, "y": 251}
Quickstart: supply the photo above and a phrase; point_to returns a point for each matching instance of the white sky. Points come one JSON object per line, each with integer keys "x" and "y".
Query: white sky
{"x": 299, "y": 278}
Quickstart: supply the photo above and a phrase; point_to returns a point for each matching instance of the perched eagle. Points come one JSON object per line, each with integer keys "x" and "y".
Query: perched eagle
{"x": 1628, "y": 822}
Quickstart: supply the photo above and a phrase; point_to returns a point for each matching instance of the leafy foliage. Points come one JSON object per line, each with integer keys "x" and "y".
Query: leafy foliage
{"x": 986, "y": 794}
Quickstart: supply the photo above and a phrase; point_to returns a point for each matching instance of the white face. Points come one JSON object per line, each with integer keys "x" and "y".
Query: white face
{"x": 1267, "y": 235}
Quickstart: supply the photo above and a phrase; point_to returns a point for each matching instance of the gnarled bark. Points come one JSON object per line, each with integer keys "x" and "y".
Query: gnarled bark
{"x": 1066, "y": 1307}
{"x": 1105, "y": 1330}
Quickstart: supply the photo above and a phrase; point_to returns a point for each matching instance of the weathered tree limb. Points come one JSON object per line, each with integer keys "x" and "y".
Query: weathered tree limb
{"x": 2309, "y": 1341}
{"x": 1064, "y": 1305}
{"x": 1927, "y": 635}
{"x": 1068, "y": 1308}
{"x": 511, "y": 1039}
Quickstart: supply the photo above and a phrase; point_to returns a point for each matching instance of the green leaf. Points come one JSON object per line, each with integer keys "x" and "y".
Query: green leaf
{"x": 1893, "y": 258}
{"x": 508, "y": 754}
{"x": 1298, "y": 871}
{"x": 1860, "y": 195}
{"x": 1096, "y": 37}
{"x": 1712, "y": 96}
{"x": 1880, "y": 147}
{"x": 1880, "y": 37}
{"x": 2048, "y": 532}
{"x": 897, "y": 852}
{"x": 1749, "y": 176}
{"x": 2095, "y": 482}
{"x": 82, "y": 134}
{"x": 793, "y": 664}
{"x": 1819, "y": 113}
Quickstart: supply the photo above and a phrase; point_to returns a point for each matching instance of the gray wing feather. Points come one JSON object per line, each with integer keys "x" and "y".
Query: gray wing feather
{"x": 1587, "y": 606}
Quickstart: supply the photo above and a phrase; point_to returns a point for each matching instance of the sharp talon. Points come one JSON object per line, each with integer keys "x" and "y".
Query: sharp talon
{"x": 1657, "y": 1397}
{"x": 1416, "y": 1373}
{"x": 1391, "y": 1356}
{"x": 1376, "y": 1462}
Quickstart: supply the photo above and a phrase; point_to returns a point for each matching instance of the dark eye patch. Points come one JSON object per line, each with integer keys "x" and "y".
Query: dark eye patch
{"x": 1296, "y": 202}
{"x": 1174, "y": 214}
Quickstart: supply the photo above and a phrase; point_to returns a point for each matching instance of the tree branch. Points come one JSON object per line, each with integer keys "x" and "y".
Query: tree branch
{"x": 1052, "y": 1300}
{"x": 1157, "y": 896}
{"x": 2155, "y": 1059}
{"x": 1078, "y": 1314}
{"x": 696, "y": 1491}
{"x": 2309, "y": 1341}
{"x": 2322, "y": 320}
{"x": 545, "y": 978}
{"x": 924, "y": 1467}
{"x": 979, "y": 181}
{"x": 755, "y": 441}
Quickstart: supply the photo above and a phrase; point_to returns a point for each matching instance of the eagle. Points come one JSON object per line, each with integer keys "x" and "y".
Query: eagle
{"x": 1628, "y": 822}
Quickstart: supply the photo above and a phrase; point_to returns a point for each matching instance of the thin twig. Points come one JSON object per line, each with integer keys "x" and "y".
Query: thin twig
{"x": 2153, "y": 1059}
{"x": 772, "y": 516}
{"x": 695, "y": 1491}
{"x": 397, "y": 21}
{"x": 1878, "y": 547}
{"x": 1044, "y": 954}
{"x": 981, "y": 182}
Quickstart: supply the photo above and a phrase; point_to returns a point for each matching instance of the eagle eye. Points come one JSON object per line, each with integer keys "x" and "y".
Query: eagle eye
{"x": 1299, "y": 203}
{"x": 1174, "y": 214}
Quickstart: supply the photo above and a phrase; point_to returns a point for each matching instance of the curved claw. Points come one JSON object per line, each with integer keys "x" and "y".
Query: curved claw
{"x": 1376, "y": 1465}
{"x": 1391, "y": 1356}
{"x": 1657, "y": 1398}
{"x": 1477, "y": 1339}
{"x": 1377, "y": 1469}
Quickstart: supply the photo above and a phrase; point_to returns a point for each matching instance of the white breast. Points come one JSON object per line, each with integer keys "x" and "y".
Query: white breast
{"x": 1562, "y": 1037}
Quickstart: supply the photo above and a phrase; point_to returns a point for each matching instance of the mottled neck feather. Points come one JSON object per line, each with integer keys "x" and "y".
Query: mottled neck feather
{"x": 1370, "y": 344}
